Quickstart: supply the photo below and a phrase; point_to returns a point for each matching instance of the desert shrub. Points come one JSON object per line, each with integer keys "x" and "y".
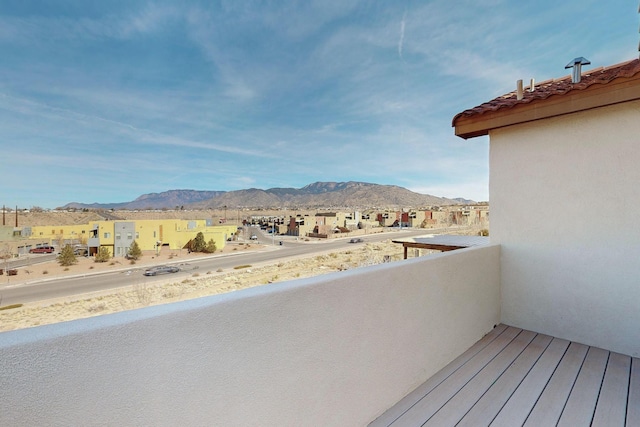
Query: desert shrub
{"x": 134, "y": 251}
{"x": 210, "y": 248}
{"x": 96, "y": 307}
{"x": 198, "y": 244}
{"x": 103, "y": 255}
{"x": 143, "y": 294}
{"x": 67, "y": 257}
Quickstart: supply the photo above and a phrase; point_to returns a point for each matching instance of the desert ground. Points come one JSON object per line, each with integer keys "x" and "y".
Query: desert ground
{"x": 167, "y": 290}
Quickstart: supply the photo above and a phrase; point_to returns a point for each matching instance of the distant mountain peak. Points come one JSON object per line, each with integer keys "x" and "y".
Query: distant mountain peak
{"x": 325, "y": 187}
{"x": 315, "y": 195}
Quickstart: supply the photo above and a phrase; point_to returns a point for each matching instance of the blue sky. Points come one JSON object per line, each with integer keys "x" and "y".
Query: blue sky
{"x": 105, "y": 101}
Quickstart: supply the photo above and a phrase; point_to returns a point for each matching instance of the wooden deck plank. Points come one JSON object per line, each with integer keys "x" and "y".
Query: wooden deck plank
{"x": 412, "y": 398}
{"x": 584, "y": 395}
{"x": 519, "y": 406}
{"x": 490, "y": 404}
{"x": 549, "y": 407}
{"x": 426, "y": 407}
{"x": 612, "y": 403}
{"x": 518, "y": 377}
{"x": 463, "y": 401}
{"x": 633, "y": 400}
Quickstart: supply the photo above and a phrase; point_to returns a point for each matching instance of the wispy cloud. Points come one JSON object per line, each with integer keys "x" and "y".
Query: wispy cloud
{"x": 224, "y": 95}
{"x": 133, "y": 134}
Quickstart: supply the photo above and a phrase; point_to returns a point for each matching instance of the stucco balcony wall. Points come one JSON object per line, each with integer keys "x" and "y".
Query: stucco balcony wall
{"x": 332, "y": 350}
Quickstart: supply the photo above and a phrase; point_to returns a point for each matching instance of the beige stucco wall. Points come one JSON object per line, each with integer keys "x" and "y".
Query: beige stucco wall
{"x": 334, "y": 350}
{"x": 565, "y": 200}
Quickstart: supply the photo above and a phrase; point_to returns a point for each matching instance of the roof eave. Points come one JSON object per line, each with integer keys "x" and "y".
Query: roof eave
{"x": 597, "y": 95}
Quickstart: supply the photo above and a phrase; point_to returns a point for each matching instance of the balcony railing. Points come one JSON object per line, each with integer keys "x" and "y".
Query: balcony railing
{"x": 337, "y": 349}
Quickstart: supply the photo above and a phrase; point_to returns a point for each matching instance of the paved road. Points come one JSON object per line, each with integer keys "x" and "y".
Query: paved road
{"x": 67, "y": 286}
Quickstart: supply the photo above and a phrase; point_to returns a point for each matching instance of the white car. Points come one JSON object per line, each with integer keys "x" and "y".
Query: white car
{"x": 253, "y": 237}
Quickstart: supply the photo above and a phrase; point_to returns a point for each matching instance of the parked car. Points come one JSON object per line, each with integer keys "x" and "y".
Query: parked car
{"x": 161, "y": 269}
{"x": 253, "y": 237}
{"x": 42, "y": 250}
{"x": 80, "y": 250}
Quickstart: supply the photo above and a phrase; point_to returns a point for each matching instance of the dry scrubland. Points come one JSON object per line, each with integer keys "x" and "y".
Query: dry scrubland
{"x": 166, "y": 289}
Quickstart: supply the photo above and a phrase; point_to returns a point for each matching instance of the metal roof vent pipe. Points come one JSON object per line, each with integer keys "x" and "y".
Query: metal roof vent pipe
{"x": 577, "y": 64}
{"x": 519, "y": 90}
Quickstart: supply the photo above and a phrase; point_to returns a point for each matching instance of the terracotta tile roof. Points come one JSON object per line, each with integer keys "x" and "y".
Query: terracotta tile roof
{"x": 562, "y": 86}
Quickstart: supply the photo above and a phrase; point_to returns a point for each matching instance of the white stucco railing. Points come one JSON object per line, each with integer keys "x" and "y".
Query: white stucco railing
{"x": 334, "y": 350}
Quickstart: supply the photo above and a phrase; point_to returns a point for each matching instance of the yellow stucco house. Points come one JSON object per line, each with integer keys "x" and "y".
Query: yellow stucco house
{"x": 117, "y": 236}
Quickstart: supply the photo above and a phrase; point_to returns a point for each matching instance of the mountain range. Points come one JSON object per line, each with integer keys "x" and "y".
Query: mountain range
{"x": 317, "y": 195}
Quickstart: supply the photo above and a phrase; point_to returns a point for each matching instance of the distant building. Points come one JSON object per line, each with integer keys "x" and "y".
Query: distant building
{"x": 117, "y": 236}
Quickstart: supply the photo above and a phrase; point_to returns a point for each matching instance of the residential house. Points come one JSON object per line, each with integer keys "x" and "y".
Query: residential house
{"x": 18, "y": 240}
{"x": 300, "y": 225}
{"x": 328, "y": 223}
{"x": 567, "y": 146}
{"x": 117, "y": 236}
{"x": 416, "y": 217}
{"x": 386, "y": 218}
{"x": 352, "y": 220}
{"x": 340, "y": 349}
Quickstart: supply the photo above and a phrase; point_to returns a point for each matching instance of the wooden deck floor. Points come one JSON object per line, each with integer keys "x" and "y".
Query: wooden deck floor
{"x": 514, "y": 377}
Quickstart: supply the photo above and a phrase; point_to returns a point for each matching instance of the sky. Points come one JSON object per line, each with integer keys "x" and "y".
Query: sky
{"x": 106, "y": 101}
